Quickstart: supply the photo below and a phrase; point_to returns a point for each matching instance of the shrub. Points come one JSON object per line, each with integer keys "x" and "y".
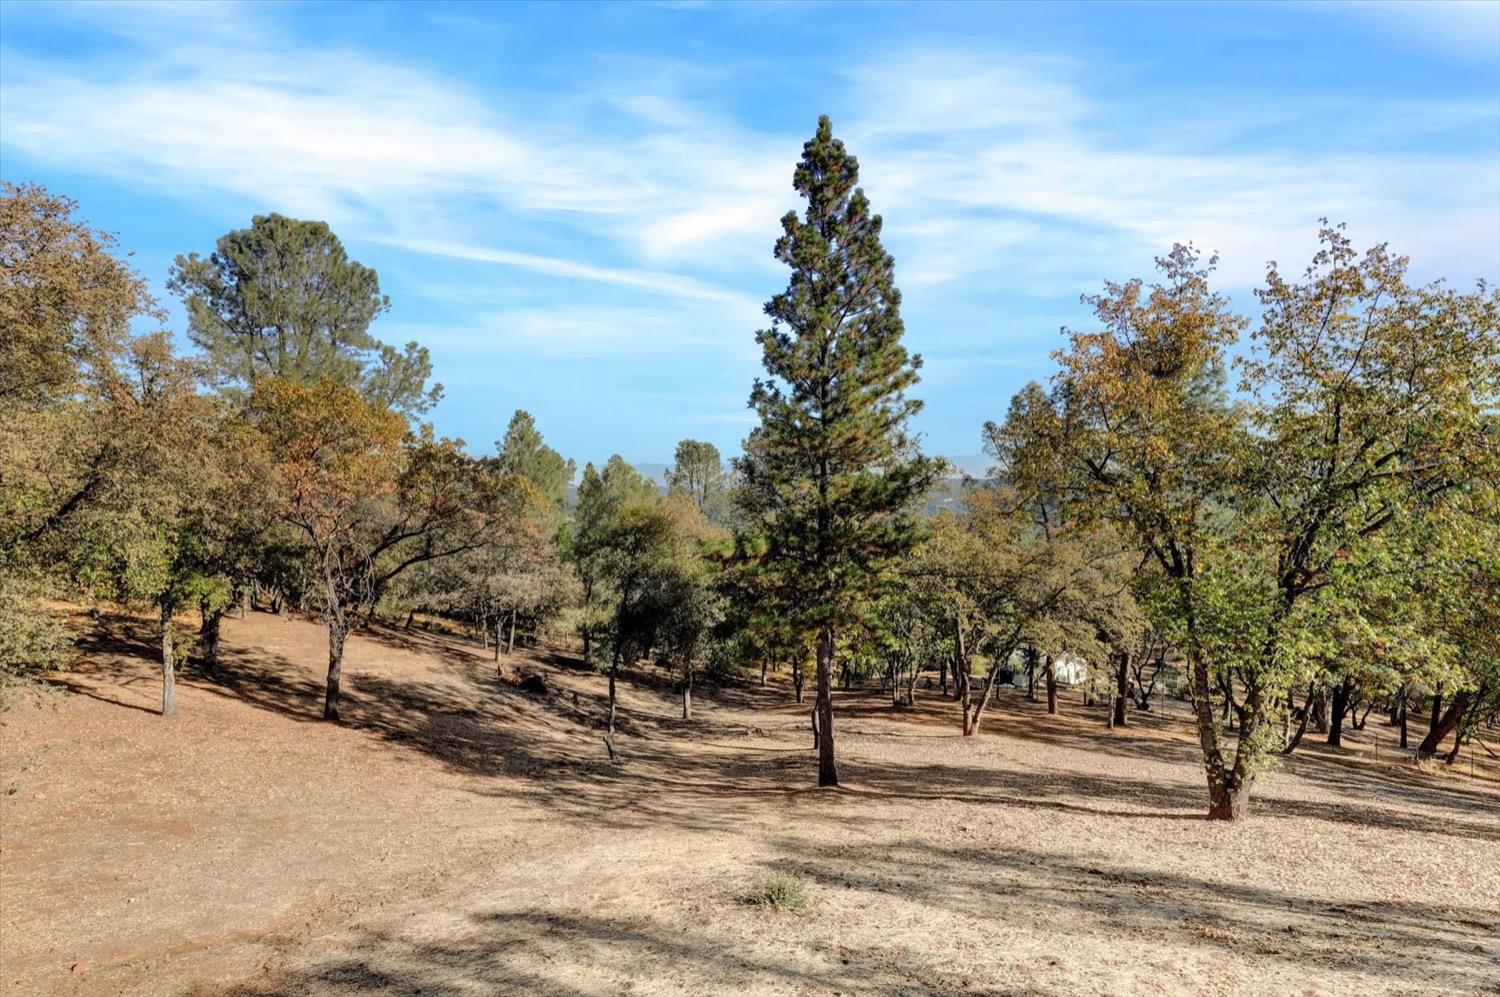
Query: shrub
{"x": 778, "y": 893}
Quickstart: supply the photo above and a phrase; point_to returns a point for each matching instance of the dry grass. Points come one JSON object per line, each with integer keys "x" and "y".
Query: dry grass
{"x": 457, "y": 835}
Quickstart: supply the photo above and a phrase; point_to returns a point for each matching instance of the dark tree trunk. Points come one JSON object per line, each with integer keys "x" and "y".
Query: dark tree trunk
{"x": 942, "y": 676}
{"x": 208, "y": 634}
{"x": 1319, "y": 708}
{"x": 1305, "y": 712}
{"x": 168, "y": 663}
{"x": 1339, "y": 709}
{"x": 1031, "y": 674}
{"x": 1122, "y": 687}
{"x": 961, "y": 683}
{"x": 338, "y": 632}
{"x": 1403, "y": 707}
{"x": 1051, "y": 675}
{"x": 1358, "y": 720}
{"x": 411, "y": 614}
{"x": 1437, "y": 709}
{"x": 1445, "y": 725}
{"x": 609, "y": 731}
{"x": 828, "y": 774}
{"x": 764, "y": 663}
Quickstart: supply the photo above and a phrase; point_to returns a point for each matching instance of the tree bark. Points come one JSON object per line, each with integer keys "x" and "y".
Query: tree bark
{"x": 1437, "y": 709}
{"x": 1403, "y": 706}
{"x": 1339, "y": 710}
{"x": 510, "y": 640}
{"x": 687, "y": 693}
{"x": 338, "y": 632}
{"x": 1296, "y": 739}
{"x": 828, "y": 774}
{"x": 764, "y": 663}
{"x": 497, "y": 641}
{"x": 609, "y": 733}
{"x": 1445, "y": 725}
{"x": 168, "y": 663}
{"x": 798, "y": 679}
{"x": 1122, "y": 687}
{"x": 961, "y": 683}
{"x": 208, "y": 634}
{"x": 1051, "y": 676}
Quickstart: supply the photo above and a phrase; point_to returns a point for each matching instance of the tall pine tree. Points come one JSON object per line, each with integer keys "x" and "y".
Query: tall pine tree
{"x": 831, "y": 475}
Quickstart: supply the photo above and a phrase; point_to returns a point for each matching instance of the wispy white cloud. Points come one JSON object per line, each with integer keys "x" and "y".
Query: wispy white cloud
{"x": 657, "y": 282}
{"x": 1005, "y": 189}
{"x": 1469, "y": 29}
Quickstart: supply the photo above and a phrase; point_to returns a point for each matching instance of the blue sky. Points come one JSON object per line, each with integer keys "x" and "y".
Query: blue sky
{"x": 574, "y": 206}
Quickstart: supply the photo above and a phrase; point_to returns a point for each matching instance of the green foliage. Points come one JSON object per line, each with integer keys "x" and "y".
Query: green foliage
{"x": 697, "y": 472}
{"x": 1363, "y": 400}
{"x": 830, "y": 475}
{"x": 32, "y": 640}
{"x": 522, "y": 453}
{"x": 282, "y": 299}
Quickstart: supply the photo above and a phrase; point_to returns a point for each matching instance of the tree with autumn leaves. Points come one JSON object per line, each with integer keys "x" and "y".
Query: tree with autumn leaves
{"x": 1362, "y": 402}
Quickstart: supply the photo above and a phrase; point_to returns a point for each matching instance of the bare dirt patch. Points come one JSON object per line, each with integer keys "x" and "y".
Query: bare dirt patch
{"x": 459, "y": 835}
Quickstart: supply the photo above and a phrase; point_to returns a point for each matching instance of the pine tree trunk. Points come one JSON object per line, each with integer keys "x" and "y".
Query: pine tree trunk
{"x": 338, "y": 632}
{"x": 828, "y": 774}
{"x": 1051, "y": 685}
{"x": 797, "y": 680}
{"x": 1122, "y": 687}
{"x": 168, "y": 663}
{"x": 764, "y": 663}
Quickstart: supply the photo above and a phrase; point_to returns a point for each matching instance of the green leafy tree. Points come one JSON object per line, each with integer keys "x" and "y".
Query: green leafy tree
{"x": 600, "y": 495}
{"x": 1363, "y": 400}
{"x": 831, "y": 475}
{"x": 282, "y": 299}
{"x": 523, "y": 453}
{"x": 697, "y": 472}
{"x": 372, "y": 498}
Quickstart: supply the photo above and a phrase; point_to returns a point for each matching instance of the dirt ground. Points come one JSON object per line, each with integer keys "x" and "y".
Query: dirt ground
{"x": 459, "y": 836}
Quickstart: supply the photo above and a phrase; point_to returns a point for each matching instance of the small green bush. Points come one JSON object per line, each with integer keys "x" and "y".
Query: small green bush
{"x": 778, "y": 893}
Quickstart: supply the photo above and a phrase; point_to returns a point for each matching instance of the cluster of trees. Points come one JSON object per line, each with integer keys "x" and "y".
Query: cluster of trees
{"x": 1297, "y": 512}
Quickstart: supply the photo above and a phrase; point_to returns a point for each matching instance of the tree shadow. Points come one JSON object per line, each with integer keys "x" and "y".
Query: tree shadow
{"x": 1447, "y": 943}
{"x": 570, "y": 955}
